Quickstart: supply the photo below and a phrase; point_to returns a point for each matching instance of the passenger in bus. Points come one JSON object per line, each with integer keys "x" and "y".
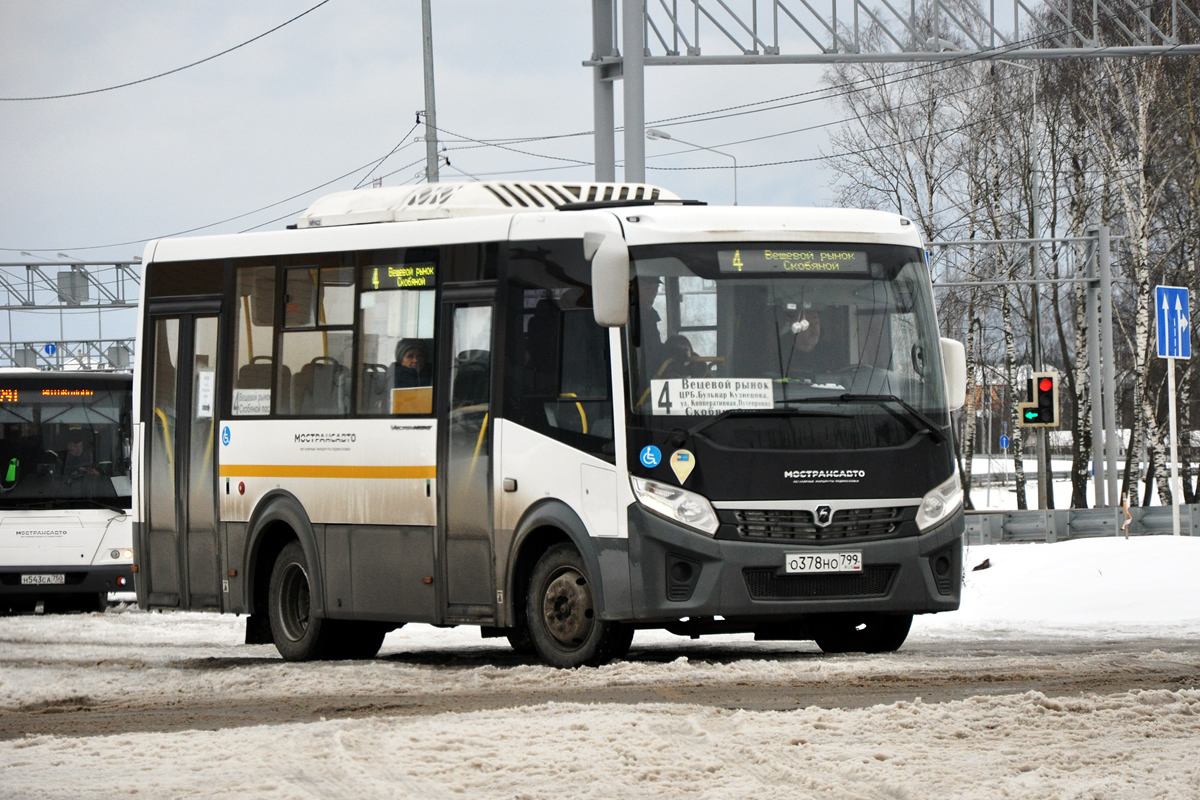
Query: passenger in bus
{"x": 680, "y": 360}
{"x": 79, "y": 461}
{"x": 804, "y": 352}
{"x": 412, "y": 365}
{"x": 650, "y": 337}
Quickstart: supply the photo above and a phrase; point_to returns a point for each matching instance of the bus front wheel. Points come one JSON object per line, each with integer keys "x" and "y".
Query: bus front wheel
{"x": 298, "y": 635}
{"x": 861, "y": 633}
{"x": 561, "y": 614}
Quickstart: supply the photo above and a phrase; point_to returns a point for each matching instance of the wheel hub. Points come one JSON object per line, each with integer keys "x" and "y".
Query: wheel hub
{"x": 567, "y": 608}
{"x": 295, "y": 602}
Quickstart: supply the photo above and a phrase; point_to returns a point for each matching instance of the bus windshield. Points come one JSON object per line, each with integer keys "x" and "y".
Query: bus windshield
{"x": 844, "y": 333}
{"x": 64, "y": 444}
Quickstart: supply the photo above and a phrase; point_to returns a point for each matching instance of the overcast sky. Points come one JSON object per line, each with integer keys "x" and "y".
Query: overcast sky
{"x": 95, "y": 175}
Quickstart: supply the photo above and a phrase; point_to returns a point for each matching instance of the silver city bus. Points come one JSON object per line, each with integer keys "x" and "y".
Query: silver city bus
{"x": 558, "y": 411}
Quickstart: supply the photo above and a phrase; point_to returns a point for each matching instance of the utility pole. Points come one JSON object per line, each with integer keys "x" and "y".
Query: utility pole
{"x": 431, "y": 145}
{"x": 1045, "y": 473}
{"x": 633, "y": 27}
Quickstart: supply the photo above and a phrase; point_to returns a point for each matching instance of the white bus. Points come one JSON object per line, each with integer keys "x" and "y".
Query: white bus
{"x": 66, "y": 532}
{"x": 557, "y": 411}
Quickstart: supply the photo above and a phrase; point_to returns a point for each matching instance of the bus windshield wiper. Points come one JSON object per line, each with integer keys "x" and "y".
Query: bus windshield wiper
{"x": 733, "y": 412}
{"x": 934, "y": 429}
{"x": 30, "y": 504}
{"x": 102, "y": 504}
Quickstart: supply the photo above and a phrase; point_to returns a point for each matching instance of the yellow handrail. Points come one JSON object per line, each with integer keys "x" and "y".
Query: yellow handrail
{"x": 158, "y": 412}
{"x": 578, "y": 405}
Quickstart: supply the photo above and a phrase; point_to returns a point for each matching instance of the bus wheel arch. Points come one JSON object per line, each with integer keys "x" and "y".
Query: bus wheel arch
{"x": 278, "y": 520}
{"x": 562, "y": 613}
{"x": 544, "y": 525}
{"x": 528, "y": 548}
{"x": 556, "y": 593}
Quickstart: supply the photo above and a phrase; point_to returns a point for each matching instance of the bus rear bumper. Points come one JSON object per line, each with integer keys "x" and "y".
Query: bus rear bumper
{"x": 91, "y": 579}
{"x": 678, "y": 574}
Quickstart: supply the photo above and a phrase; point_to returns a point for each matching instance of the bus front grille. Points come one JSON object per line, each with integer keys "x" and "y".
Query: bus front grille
{"x": 799, "y": 525}
{"x": 767, "y": 584}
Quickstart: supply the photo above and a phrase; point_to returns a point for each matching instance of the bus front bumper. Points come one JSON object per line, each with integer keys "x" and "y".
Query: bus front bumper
{"x": 677, "y": 574}
{"x": 76, "y": 580}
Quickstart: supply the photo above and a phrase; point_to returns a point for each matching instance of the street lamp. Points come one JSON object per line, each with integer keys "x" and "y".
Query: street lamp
{"x": 655, "y": 133}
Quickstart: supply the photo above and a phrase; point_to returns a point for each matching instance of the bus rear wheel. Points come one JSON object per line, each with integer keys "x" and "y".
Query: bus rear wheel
{"x": 297, "y": 634}
{"x": 355, "y": 640}
{"x": 86, "y": 603}
{"x": 561, "y": 614}
{"x": 861, "y": 633}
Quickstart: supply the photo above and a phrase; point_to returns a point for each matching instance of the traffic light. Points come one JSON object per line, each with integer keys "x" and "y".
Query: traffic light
{"x": 1041, "y": 411}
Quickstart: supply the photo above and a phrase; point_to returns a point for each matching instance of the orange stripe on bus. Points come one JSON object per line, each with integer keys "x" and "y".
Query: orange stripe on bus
{"x": 323, "y": 471}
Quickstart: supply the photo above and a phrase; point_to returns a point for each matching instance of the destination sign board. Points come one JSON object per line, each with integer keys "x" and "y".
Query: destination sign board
{"x": 793, "y": 259}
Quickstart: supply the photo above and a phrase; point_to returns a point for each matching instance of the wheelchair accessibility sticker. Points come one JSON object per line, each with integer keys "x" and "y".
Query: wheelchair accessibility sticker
{"x": 650, "y": 456}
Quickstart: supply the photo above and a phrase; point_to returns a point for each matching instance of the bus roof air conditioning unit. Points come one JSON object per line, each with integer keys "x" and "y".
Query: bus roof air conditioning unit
{"x": 446, "y": 200}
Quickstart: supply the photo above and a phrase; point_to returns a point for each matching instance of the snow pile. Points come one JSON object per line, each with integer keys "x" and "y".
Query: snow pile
{"x": 1123, "y": 745}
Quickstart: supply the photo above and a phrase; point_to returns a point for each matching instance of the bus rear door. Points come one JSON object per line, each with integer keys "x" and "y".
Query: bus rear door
{"x": 180, "y": 557}
{"x": 465, "y": 455}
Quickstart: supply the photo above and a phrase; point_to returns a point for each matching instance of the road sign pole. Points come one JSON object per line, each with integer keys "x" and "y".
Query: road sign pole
{"x": 1171, "y": 305}
{"x": 1175, "y": 487}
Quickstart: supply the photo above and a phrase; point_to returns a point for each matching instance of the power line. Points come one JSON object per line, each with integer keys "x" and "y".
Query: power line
{"x": 399, "y": 146}
{"x": 203, "y": 227}
{"x": 168, "y": 72}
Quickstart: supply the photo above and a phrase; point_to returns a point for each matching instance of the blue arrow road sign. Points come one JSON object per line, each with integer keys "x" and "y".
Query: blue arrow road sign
{"x": 1174, "y": 327}
{"x": 1004, "y": 442}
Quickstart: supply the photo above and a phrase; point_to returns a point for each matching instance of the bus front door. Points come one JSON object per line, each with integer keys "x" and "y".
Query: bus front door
{"x": 466, "y": 456}
{"x": 181, "y": 551}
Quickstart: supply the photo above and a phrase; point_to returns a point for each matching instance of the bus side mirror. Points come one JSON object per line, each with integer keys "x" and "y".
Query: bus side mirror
{"x": 610, "y": 277}
{"x": 954, "y": 356}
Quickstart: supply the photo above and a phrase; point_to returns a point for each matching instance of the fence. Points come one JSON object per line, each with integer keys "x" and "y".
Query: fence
{"x": 1057, "y": 525}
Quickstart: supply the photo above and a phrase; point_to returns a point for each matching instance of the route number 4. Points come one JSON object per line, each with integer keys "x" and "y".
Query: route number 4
{"x": 664, "y": 398}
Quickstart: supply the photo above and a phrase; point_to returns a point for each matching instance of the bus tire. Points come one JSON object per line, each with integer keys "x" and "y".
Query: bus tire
{"x": 520, "y": 640}
{"x": 861, "y": 633}
{"x": 560, "y": 611}
{"x": 297, "y": 634}
{"x": 16, "y": 604}
{"x": 84, "y": 603}
{"x": 354, "y": 640}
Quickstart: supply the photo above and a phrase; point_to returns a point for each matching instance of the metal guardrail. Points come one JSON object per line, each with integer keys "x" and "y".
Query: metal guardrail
{"x": 1057, "y": 525}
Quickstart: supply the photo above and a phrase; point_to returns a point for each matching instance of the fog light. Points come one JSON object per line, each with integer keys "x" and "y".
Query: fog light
{"x": 941, "y": 566}
{"x": 121, "y": 580}
{"x": 681, "y": 572}
{"x": 114, "y": 555}
{"x": 126, "y": 554}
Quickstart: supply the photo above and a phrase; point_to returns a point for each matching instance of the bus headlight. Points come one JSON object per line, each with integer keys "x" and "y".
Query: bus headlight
{"x": 940, "y": 503}
{"x": 678, "y": 504}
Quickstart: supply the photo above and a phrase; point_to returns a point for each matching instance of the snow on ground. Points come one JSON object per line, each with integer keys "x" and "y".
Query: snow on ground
{"x": 1128, "y": 745}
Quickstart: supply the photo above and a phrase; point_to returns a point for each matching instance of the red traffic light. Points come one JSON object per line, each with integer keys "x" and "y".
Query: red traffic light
{"x": 1045, "y": 384}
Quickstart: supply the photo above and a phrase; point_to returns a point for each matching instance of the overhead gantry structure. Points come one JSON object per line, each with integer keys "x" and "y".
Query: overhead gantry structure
{"x": 729, "y": 32}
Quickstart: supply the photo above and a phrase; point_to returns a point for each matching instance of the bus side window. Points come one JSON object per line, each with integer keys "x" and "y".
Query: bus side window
{"x": 254, "y": 344}
{"x": 557, "y": 379}
{"x": 394, "y": 372}
{"x": 320, "y": 380}
{"x": 324, "y": 387}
